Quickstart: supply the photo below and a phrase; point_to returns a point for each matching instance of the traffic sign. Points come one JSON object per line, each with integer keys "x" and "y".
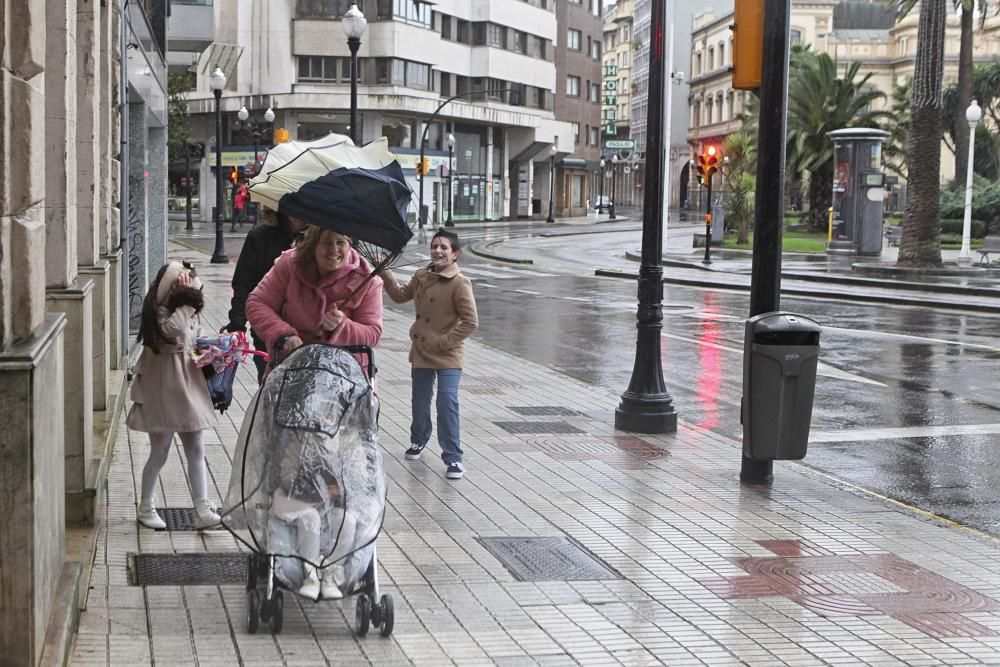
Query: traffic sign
{"x": 628, "y": 170}
{"x": 617, "y": 144}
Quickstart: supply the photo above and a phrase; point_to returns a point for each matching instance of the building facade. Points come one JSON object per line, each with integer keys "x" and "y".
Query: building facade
{"x": 578, "y": 101}
{"x": 497, "y": 60}
{"x": 884, "y": 48}
{"x": 82, "y": 220}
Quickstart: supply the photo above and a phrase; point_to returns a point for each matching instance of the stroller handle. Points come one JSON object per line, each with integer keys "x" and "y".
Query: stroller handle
{"x": 365, "y": 350}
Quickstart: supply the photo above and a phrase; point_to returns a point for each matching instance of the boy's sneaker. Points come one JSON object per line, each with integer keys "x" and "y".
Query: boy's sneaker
{"x": 413, "y": 453}
{"x": 454, "y": 471}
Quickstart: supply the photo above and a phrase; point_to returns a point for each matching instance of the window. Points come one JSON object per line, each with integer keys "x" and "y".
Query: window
{"x": 321, "y": 69}
{"x": 595, "y": 92}
{"x": 464, "y": 32}
{"x": 573, "y": 86}
{"x": 795, "y": 37}
{"x": 595, "y": 138}
{"x": 697, "y": 63}
{"x": 576, "y": 133}
{"x": 445, "y": 26}
{"x": 722, "y": 54}
{"x": 573, "y": 39}
{"x": 595, "y": 49}
{"x": 321, "y": 9}
{"x": 711, "y": 59}
{"x": 519, "y": 42}
{"x": 417, "y": 75}
{"x": 496, "y": 35}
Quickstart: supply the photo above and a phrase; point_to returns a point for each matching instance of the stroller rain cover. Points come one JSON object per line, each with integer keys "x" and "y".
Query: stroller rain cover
{"x": 308, "y": 467}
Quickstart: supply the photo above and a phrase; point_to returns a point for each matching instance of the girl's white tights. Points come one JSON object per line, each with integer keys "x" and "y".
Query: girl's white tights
{"x": 159, "y": 450}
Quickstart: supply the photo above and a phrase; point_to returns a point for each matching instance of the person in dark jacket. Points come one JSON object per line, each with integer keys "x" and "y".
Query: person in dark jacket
{"x": 264, "y": 243}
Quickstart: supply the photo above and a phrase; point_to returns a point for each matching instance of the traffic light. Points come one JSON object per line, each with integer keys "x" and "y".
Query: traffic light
{"x": 708, "y": 162}
{"x": 233, "y": 174}
{"x": 748, "y": 43}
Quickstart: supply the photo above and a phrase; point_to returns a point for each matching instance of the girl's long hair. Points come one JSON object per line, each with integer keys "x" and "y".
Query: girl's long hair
{"x": 150, "y": 333}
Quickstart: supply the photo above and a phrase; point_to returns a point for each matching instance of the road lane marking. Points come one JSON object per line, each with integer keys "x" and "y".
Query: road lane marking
{"x": 861, "y": 434}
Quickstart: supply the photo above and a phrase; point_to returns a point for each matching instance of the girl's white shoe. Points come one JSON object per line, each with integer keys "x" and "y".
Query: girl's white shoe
{"x": 333, "y": 575}
{"x": 310, "y": 587}
{"x": 148, "y": 516}
{"x": 205, "y": 517}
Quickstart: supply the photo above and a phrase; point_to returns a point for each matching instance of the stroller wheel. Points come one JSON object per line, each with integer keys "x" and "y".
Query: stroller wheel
{"x": 253, "y": 611}
{"x": 363, "y": 614}
{"x": 251, "y": 573}
{"x": 277, "y": 612}
{"x": 387, "y": 614}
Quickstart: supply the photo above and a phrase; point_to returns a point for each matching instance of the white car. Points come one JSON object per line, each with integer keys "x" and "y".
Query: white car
{"x": 602, "y": 202}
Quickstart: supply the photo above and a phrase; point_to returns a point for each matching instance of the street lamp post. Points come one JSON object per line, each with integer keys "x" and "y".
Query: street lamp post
{"x": 973, "y": 114}
{"x": 217, "y": 81}
{"x": 600, "y": 193}
{"x": 451, "y": 165}
{"x": 552, "y": 180}
{"x": 645, "y": 406}
{"x": 614, "y": 184}
{"x": 354, "y": 24}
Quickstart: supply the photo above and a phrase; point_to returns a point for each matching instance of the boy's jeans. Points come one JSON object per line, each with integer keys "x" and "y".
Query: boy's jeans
{"x": 447, "y": 410}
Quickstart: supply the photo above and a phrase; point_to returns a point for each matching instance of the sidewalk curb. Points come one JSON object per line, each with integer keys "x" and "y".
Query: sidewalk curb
{"x": 793, "y": 291}
{"x": 480, "y": 252}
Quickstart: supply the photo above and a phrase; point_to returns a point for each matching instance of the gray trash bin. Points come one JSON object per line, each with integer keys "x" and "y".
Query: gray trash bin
{"x": 781, "y": 352}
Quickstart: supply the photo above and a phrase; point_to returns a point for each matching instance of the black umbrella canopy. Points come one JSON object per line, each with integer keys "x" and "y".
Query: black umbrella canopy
{"x": 368, "y": 205}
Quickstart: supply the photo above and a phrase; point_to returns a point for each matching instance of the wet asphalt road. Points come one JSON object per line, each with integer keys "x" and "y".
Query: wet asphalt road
{"x": 907, "y": 403}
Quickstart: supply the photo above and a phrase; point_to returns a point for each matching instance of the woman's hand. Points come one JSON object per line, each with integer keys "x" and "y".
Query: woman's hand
{"x": 183, "y": 280}
{"x": 332, "y": 319}
{"x": 291, "y": 344}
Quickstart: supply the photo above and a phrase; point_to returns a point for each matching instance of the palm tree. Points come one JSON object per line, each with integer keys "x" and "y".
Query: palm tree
{"x": 920, "y": 246}
{"x": 820, "y": 102}
{"x": 898, "y": 127}
{"x": 740, "y": 149}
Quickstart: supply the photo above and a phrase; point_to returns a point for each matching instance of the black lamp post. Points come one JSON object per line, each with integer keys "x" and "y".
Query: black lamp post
{"x": 646, "y": 407}
{"x": 600, "y": 185}
{"x": 256, "y": 131}
{"x": 451, "y": 165}
{"x": 354, "y": 24}
{"x": 552, "y": 180}
{"x": 614, "y": 185}
{"x": 217, "y": 81}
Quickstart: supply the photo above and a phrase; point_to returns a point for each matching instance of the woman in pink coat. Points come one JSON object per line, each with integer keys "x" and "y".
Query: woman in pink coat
{"x": 318, "y": 292}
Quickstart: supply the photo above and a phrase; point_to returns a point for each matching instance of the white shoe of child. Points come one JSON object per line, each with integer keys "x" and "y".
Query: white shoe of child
{"x": 148, "y": 516}
{"x": 333, "y": 576}
{"x": 310, "y": 587}
{"x": 205, "y": 517}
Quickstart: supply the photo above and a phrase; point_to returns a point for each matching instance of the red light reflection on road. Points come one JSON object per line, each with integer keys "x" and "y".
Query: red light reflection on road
{"x": 710, "y": 362}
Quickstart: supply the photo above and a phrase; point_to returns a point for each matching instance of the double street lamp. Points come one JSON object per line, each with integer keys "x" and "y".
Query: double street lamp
{"x": 600, "y": 195}
{"x": 354, "y": 24}
{"x": 552, "y": 180}
{"x": 451, "y": 165}
{"x": 973, "y": 115}
{"x": 216, "y": 82}
{"x": 256, "y": 131}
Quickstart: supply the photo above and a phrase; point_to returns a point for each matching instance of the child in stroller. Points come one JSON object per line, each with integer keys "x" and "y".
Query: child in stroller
{"x": 307, "y": 491}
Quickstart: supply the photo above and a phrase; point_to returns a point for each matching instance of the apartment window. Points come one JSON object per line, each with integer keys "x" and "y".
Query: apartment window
{"x": 417, "y": 75}
{"x": 573, "y": 39}
{"x": 697, "y": 63}
{"x": 519, "y": 42}
{"x": 573, "y": 86}
{"x": 321, "y": 9}
{"x": 464, "y": 32}
{"x": 318, "y": 69}
{"x": 407, "y": 11}
{"x": 496, "y": 35}
{"x": 595, "y": 49}
{"x": 795, "y": 37}
{"x": 576, "y": 133}
{"x": 711, "y": 59}
{"x": 401, "y": 73}
{"x": 595, "y": 92}
{"x": 722, "y": 54}
{"x": 445, "y": 26}
{"x": 595, "y": 136}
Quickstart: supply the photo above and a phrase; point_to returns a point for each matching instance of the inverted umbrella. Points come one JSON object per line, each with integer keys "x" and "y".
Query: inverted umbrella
{"x": 331, "y": 183}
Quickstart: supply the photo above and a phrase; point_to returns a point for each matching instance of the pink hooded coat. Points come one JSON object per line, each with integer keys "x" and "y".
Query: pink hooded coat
{"x": 290, "y": 301}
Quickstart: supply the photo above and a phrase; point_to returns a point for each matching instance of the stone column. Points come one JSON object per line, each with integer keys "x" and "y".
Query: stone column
{"x": 88, "y": 85}
{"x": 32, "y": 532}
{"x": 137, "y": 241}
{"x": 156, "y": 189}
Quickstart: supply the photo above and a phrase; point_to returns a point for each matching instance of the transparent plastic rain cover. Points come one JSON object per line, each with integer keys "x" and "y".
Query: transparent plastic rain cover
{"x": 307, "y": 482}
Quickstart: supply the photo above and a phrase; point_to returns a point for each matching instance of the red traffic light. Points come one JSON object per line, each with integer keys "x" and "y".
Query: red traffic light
{"x": 708, "y": 162}
{"x": 711, "y": 151}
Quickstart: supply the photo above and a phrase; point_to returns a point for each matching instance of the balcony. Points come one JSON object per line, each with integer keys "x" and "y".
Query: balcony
{"x": 191, "y": 26}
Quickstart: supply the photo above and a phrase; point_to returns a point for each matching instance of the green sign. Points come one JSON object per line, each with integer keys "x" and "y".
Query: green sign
{"x": 620, "y": 144}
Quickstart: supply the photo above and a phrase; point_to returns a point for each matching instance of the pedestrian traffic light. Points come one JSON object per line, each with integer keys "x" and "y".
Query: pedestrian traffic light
{"x": 425, "y": 166}
{"x": 233, "y": 174}
{"x": 708, "y": 162}
{"x": 748, "y": 43}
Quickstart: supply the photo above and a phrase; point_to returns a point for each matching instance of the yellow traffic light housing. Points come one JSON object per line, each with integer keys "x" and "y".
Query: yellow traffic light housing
{"x": 708, "y": 162}
{"x": 748, "y": 43}
{"x": 424, "y": 167}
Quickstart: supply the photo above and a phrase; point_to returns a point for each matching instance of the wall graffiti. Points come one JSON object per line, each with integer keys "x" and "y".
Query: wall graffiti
{"x": 136, "y": 247}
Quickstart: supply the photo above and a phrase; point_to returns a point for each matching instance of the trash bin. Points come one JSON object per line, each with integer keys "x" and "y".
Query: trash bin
{"x": 781, "y": 352}
{"x": 718, "y": 224}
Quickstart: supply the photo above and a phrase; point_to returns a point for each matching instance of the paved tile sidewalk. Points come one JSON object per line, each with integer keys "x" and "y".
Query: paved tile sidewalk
{"x": 804, "y": 573}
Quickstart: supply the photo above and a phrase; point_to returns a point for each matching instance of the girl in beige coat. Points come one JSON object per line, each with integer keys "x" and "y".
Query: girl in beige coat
{"x": 446, "y": 316}
{"x": 169, "y": 392}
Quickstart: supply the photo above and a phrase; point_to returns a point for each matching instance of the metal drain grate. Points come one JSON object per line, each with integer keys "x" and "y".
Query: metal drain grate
{"x": 544, "y": 411}
{"x": 547, "y": 559}
{"x": 177, "y": 518}
{"x": 150, "y": 569}
{"x": 538, "y": 427}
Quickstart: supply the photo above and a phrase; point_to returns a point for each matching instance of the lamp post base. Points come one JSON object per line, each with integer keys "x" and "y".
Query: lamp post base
{"x": 756, "y": 472}
{"x": 638, "y": 413}
{"x": 219, "y": 259}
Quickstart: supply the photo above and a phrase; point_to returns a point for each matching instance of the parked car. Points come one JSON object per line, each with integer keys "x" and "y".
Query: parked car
{"x": 602, "y": 202}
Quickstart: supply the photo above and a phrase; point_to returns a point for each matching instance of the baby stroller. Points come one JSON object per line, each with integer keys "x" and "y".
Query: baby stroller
{"x": 307, "y": 491}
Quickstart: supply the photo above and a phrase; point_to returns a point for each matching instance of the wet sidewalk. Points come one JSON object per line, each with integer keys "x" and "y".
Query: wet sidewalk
{"x": 638, "y": 550}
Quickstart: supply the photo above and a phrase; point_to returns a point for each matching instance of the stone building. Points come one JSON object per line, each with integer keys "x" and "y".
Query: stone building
{"x": 81, "y": 221}
{"x": 847, "y": 33}
{"x": 498, "y": 57}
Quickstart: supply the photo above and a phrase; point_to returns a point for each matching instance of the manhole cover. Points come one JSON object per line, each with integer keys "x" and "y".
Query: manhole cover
{"x": 186, "y": 569}
{"x": 538, "y": 427}
{"x": 547, "y": 559}
{"x": 177, "y": 518}
{"x": 544, "y": 411}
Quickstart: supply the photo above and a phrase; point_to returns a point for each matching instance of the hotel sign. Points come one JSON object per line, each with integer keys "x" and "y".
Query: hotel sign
{"x": 609, "y": 101}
